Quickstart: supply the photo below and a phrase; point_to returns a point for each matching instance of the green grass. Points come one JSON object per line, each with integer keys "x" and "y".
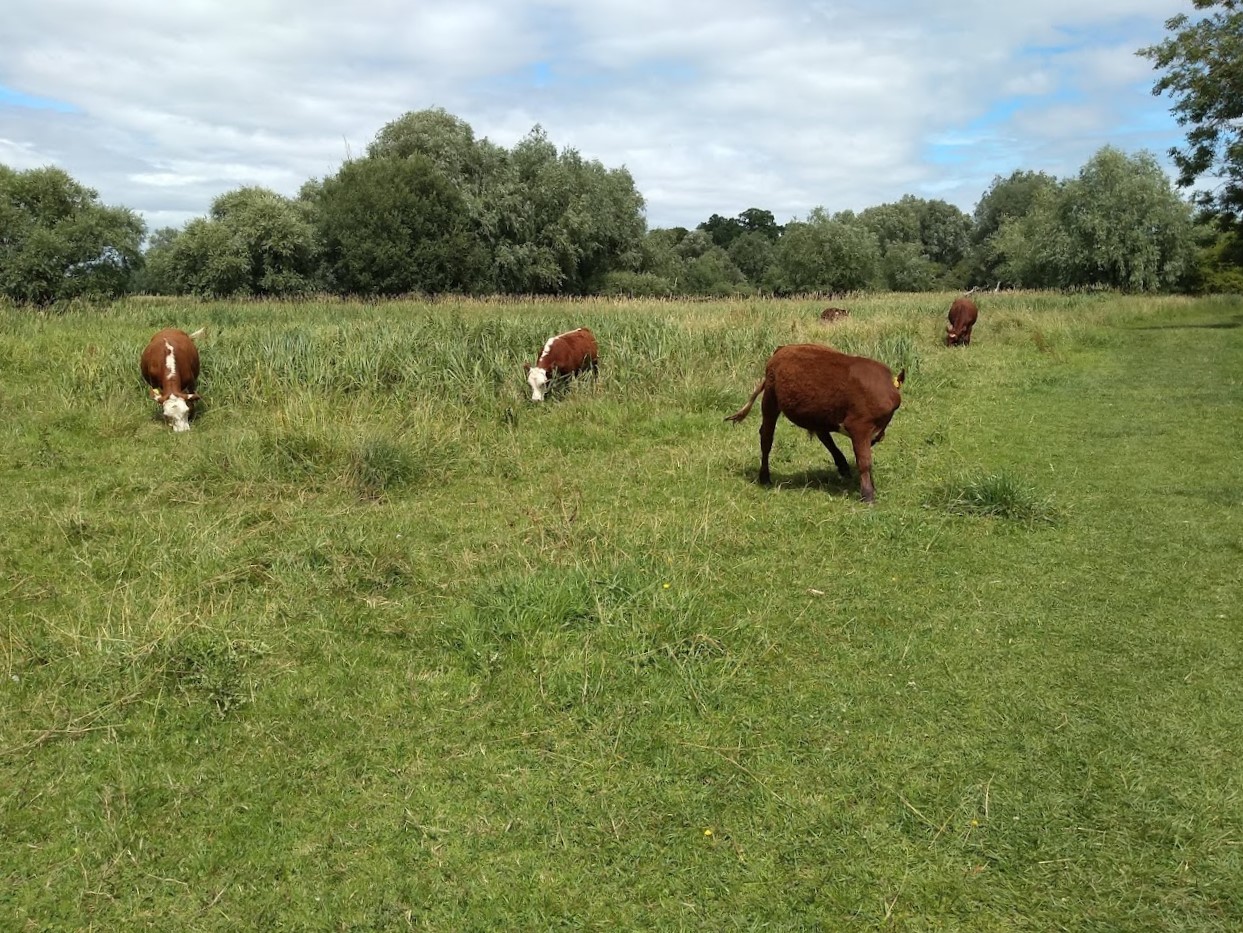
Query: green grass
{"x": 381, "y": 645}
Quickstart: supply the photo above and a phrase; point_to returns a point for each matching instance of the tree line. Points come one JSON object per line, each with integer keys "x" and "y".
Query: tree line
{"x": 431, "y": 209}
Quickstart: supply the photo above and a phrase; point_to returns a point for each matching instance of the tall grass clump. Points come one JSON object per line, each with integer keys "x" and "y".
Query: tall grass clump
{"x": 997, "y": 495}
{"x": 377, "y": 465}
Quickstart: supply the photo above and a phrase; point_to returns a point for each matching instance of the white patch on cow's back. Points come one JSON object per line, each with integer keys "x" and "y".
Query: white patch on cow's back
{"x": 537, "y": 379}
{"x": 552, "y": 340}
{"x": 170, "y": 360}
{"x": 177, "y": 413}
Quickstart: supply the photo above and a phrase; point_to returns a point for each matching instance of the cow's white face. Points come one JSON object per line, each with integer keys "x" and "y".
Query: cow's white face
{"x": 177, "y": 413}
{"x": 537, "y": 379}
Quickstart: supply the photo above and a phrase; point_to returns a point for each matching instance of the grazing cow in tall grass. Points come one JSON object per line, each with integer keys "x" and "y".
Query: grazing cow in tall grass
{"x": 822, "y": 390}
{"x": 566, "y": 354}
{"x": 170, "y": 365}
{"x": 962, "y": 317}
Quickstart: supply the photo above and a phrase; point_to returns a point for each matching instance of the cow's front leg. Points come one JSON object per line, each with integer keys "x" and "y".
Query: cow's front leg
{"x": 839, "y": 458}
{"x": 861, "y": 440}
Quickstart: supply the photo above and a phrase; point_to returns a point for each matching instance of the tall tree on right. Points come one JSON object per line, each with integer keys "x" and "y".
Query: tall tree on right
{"x": 1202, "y": 61}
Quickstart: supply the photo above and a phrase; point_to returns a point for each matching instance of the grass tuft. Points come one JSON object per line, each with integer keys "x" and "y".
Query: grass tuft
{"x": 210, "y": 668}
{"x": 377, "y": 465}
{"x": 997, "y": 495}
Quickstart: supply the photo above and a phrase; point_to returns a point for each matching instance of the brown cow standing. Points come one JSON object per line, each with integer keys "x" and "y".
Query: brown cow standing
{"x": 822, "y": 390}
{"x": 170, "y": 365}
{"x": 962, "y": 318}
{"x": 566, "y": 354}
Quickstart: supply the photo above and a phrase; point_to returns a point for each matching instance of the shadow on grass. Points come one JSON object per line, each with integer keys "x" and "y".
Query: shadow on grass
{"x": 1232, "y": 324}
{"x": 827, "y": 479}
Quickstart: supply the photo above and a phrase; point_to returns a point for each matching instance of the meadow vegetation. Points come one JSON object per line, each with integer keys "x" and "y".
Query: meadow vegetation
{"x": 381, "y": 645}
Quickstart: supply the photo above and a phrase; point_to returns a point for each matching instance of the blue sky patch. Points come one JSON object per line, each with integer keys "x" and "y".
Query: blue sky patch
{"x": 12, "y": 98}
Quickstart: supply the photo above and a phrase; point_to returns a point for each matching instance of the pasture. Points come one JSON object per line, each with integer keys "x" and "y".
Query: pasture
{"x": 381, "y": 645}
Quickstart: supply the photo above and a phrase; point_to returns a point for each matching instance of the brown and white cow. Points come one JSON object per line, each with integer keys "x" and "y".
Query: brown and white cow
{"x": 822, "y": 390}
{"x": 566, "y": 354}
{"x": 962, "y": 317}
{"x": 170, "y": 365}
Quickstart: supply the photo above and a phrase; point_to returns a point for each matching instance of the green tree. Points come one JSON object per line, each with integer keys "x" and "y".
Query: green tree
{"x": 824, "y": 254}
{"x": 723, "y": 230}
{"x": 756, "y": 220}
{"x": 905, "y": 268}
{"x": 944, "y": 233}
{"x": 156, "y": 276}
{"x": 447, "y": 141}
{"x": 695, "y": 244}
{"x": 938, "y": 231}
{"x": 1118, "y": 224}
{"x": 58, "y": 242}
{"x": 549, "y": 221}
{"x": 208, "y": 260}
{"x": 1203, "y": 65}
{"x": 561, "y": 223}
{"x": 253, "y": 243}
{"x": 753, "y": 253}
{"x": 895, "y": 222}
{"x": 659, "y": 257}
{"x": 713, "y": 273}
{"x": 397, "y": 225}
{"x": 1036, "y": 250}
{"x": 1009, "y": 198}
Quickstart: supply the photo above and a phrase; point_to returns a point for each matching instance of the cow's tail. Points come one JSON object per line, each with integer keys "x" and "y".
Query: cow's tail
{"x": 198, "y": 333}
{"x": 746, "y": 409}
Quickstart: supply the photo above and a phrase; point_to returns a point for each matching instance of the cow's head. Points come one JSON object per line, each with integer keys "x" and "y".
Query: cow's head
{"x": 537, "y": 379}
{"x": 177, "y": 407}
{"x": 951, "y": 336}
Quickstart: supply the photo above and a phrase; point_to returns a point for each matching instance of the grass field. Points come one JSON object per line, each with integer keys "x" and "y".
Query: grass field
{"x": 380, "y": 645}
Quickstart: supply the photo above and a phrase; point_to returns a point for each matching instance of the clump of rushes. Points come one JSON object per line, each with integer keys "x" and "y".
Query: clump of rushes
{"x": 998, "y": 495}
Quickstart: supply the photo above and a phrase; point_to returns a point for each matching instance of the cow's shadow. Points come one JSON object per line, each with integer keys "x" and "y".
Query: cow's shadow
{"x": 825, "y": 479}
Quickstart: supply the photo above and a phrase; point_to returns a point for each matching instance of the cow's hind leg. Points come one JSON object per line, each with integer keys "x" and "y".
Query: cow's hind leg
{"x": 839, "y": 458}
{"x": 770, "y": 410}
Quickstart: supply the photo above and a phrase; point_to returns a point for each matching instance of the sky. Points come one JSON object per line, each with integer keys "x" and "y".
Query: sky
{"x": 714, "y": 106}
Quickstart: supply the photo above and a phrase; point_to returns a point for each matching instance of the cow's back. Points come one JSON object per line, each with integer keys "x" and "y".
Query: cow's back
{"x": 570, "y": 352}
{"x": 185, "y": 358}
{"x": 963, "y": 313}
{"x": 818, "y": 387}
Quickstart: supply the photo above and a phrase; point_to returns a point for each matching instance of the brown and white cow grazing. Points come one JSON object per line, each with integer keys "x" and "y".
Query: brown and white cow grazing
{"x": 170, "y": 365}
{"x": 962, "y": 317}
{"x": 822, "y": 390}
{"x": 566, "y": 354}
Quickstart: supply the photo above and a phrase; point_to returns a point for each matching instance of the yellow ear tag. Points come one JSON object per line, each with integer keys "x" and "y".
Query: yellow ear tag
{"x": 896, "y": 384}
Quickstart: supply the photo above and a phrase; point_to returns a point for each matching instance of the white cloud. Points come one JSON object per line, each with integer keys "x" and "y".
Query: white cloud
{"x": 714, "y": 105}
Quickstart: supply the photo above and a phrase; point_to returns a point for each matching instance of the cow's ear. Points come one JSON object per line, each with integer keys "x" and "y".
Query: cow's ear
{"x": 526, "y": 367}
{"x": 193, "y": 397}
{"x": 157, "y": 397}
{"x": 901, "y": 378}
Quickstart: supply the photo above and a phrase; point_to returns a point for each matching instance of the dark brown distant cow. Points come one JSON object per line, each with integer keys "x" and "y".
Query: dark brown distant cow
{"x": 963, "y": 314}
{"x": 829, "y": 315}
{"x": 170, "y": 365}
{"x": 566, "y": 354}
{"x": 822, "y": 390}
